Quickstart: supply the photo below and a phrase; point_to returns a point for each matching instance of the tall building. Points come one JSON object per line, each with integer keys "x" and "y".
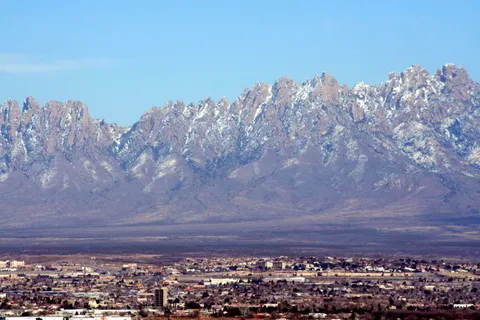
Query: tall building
{"x": 278, "y": 265}
{"x": 161, "y": 297}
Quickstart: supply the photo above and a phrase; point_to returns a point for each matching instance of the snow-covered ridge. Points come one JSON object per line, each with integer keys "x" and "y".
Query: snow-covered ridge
{"x": 286, "y": 116}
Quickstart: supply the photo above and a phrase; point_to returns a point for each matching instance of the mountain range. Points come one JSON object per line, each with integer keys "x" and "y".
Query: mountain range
{"x": 399, "y": 154}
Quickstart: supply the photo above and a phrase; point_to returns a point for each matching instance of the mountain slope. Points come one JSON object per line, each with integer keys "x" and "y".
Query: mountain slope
{"x": 313, "y": 150}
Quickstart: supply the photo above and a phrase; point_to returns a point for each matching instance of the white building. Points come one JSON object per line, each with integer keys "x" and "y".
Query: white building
{"x": 219, "y": 282}
{"x": 287, "y": 279}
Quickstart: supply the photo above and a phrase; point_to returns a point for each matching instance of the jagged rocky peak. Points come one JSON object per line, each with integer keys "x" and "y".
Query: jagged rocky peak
{"x": 206, "y": 106}
{"x": 323, "y": 79}
{"x": 451, "y": 72}
{"x": 223, "y": 102}
{"x": 415, "y": 76}
{"x": 10, "y": 118}
{"x": 325, "y": 89}
{"x": 259, "y": 93}
{"x": 66, "y": 114}
{"x": 285, "y": 83}
{"x": 9, "y": 103}
{"x": 32, "y": 112}
{"x": 283, "y": 91}
{"x": 178, "y": 107}
{"x": 251, "y": 100}
{"x": 9, "y": 108}
{"x": 79, "y": 109}
{"x": 456, "y": 81}
{"x": 30, "y": 104}
{"x": 328, "y": 80}
{"x": 360, "y": 89}
{"x": 169, "y": 109}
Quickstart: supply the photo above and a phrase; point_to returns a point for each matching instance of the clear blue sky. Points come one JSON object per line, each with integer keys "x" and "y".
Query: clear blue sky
{"x": 123, "y": 57}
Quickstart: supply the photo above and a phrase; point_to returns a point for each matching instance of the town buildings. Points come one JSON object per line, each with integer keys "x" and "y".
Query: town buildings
{"x": 237, "y": 286}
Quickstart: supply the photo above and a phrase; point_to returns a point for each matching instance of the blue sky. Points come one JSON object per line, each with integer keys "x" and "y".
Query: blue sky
{"x": 123, "y": 57}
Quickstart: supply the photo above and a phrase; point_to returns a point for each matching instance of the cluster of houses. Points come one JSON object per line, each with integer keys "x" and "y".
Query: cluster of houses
{"x": 11, "y": 265}
{"x": 234, "y": 286}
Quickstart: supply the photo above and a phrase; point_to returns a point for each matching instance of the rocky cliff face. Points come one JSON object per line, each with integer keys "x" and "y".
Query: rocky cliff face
{"x": 407, "y": 146}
